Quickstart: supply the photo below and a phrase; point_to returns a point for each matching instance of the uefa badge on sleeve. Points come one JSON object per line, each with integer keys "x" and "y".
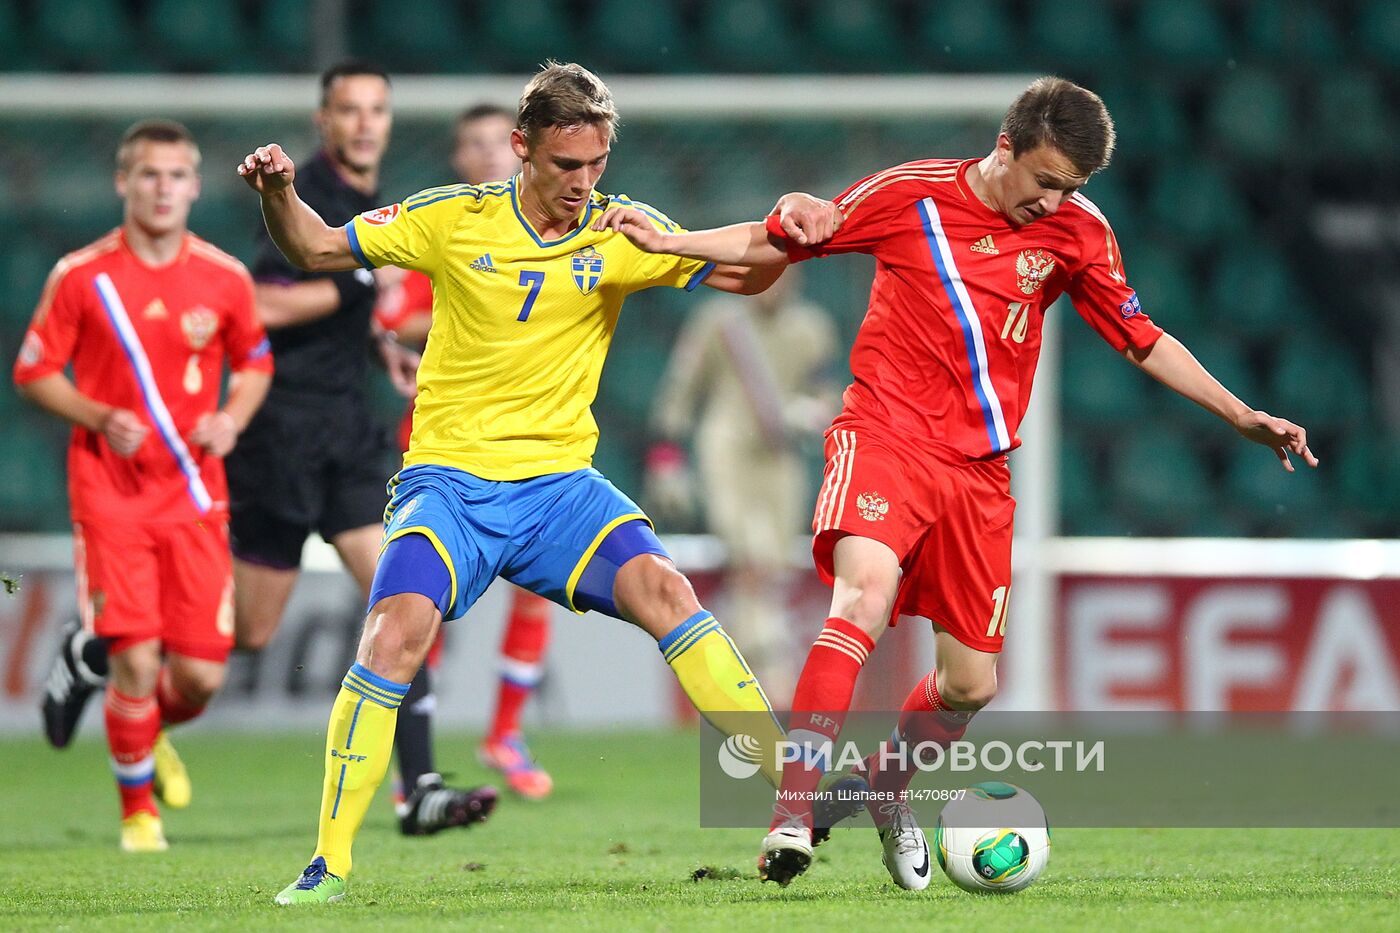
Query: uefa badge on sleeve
{"x": 381, "y": 216}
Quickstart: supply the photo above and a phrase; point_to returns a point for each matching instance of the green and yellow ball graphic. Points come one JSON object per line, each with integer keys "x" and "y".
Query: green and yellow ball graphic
{"x": 1000, "y": 856}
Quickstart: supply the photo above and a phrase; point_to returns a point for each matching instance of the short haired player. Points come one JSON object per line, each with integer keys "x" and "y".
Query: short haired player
{"x": 147, "y": 317}
{"x": 481, "y": 154}
{"x": 497, "y": 479}
{"x": 914, "y": 515}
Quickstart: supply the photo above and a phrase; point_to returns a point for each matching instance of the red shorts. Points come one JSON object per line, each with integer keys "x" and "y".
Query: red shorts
{"x": 950, "y": 525}
{"x": 169, "y": 581}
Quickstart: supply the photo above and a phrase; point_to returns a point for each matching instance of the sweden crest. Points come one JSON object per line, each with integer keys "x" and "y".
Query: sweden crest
{"x": 588, "y": 269}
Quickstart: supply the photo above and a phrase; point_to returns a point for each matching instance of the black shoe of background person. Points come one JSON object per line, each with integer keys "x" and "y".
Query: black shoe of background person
{"x": 433, "y": 807}
{"x": 79, "y": 670}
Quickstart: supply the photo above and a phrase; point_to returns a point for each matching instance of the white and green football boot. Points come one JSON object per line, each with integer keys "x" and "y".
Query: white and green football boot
{"x": 315, "y": 886}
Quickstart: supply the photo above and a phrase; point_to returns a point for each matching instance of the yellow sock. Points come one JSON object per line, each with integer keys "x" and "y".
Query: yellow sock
{"x": 714, "y": 675}
{"x": 358, "y": 743}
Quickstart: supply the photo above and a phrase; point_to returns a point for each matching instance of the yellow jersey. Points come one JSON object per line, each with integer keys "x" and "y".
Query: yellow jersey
{"x": 521, "y": 325}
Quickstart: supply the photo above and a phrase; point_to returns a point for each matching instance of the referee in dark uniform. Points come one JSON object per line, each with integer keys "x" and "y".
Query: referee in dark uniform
{"x": 315, "y": 458}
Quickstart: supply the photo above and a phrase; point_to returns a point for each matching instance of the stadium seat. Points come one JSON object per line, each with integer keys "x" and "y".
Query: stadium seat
{"x": 1252, "y": 116}
{"x": 1277, "y": 502}
{"x": 1182, "y": 33}
{"x": 904, "y": 140}
{"x": 972, "y": 36}
{"x": 1083, "y": 496}
{"x": 1369, "y": 478}
{"x": 1253, "y": 292}
{"x": 1079, "y": 34}
{"x": 856, "y": 36}
{"x": 432, "y": 39}
{"x": 1228, "y": 362}
{"x": 1292, "y": 33}
{"x": 1166, "y": 285}
{"x": 518, "y": 35}
{"x": 26, "y": 267}
{"x": 32, "y": 482}
{"x": 748, "y": 35}
{"x": 745, "y": 187}
{"x": 284, "y": 32}
{"x": 657, "y": 182}
{"x": 1108, "y": 192}
{"x": 201, "y": 35}
{"x": 89, "y": 35}
{"x": 1378, "y": 29}
{"x": 91, "y": 207}
{"x": 1149, "y": 119}
{"x": 17, "y": 53}
{"x": 1349, "y": 117}
{"x": 1096, "y": 384}
{"x": 641, "y": 36}
{"x": 1192, "y": 198}
{"x": 1159, "y": 475}
{"x": 1319, "y": 385}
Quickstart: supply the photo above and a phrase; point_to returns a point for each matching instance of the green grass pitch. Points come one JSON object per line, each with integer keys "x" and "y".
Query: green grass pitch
{"x": 614, "y": 849}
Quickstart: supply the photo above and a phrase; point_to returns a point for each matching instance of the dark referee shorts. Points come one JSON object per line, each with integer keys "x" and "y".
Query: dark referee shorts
{"x": 302, "y": 467}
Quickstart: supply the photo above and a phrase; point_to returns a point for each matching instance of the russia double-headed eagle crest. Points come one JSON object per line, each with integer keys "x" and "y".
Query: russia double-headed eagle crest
{"x": 199, "y": 325}
{"x": 1033, "y": 267}
{"x": 588, "y": 268}
{"x": 872, "y": 506}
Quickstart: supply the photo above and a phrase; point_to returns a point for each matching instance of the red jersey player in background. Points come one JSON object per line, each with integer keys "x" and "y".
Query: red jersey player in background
{"x": 915, "y": 511}
{"x": 147, "y": 316}
{"x": 481, "y": 153}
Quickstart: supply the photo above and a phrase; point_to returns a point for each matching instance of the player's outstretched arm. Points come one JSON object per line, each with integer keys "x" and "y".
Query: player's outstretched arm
{"x": 805, "y": 219}
{"x": 1170, "y": 363}
{"x": 736, "y": 245}
{"x": 298, "y": 231}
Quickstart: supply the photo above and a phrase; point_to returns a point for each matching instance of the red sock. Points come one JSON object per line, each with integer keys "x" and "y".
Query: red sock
{"x": 526, "y": 635}
{"x": 819, "y": 707}
{"x": 924, "y": 718}
{"x": 132, "y": 726}
{"x": 174, "y": 707}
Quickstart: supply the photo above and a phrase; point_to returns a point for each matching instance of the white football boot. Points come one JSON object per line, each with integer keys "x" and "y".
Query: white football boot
{"x": 786, "y": 851}
{"x": 906, "y": 849}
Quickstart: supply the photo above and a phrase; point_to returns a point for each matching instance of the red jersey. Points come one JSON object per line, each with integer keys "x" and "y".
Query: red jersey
{"x": 151, "y": 340}
{"x": 396, "y": 306}
{"x": 948, "y": 349}
{"x": 413, "y": 297}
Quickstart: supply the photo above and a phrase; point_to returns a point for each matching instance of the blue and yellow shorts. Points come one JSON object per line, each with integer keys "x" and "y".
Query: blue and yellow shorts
{"x": 563, "y": 536}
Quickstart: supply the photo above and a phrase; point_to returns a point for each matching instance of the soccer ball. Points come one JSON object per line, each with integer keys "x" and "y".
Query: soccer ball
{"x": 992, "y": 839}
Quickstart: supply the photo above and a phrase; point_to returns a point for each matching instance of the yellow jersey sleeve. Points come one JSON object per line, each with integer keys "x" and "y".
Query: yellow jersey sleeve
{"x": 411, "y": 233}
{"x": 651, "y": 269}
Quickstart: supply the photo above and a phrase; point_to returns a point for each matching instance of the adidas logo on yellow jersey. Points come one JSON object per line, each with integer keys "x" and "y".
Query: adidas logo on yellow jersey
{"x": 482, "y": 264}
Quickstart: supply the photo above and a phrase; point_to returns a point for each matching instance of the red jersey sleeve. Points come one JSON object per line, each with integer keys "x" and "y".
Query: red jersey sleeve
{"x": 48, "y": 344}
{"x": 245, "y": 341}
{"x": 869, "y": 207}
{"x": 1100, "y": 290}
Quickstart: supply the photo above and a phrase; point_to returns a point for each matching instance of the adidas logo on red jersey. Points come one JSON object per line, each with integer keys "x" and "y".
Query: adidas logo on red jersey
{"x": 985, "y": 245}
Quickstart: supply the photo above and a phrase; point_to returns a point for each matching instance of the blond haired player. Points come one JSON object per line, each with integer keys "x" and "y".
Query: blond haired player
{"x": 496, "y": 480}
